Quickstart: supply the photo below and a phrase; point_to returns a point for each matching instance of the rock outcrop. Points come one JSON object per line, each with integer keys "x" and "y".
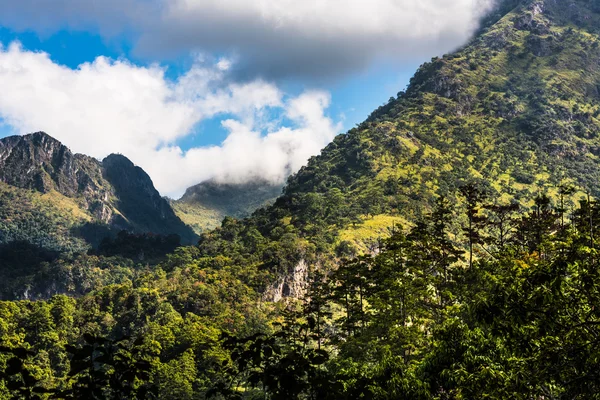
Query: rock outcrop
{"x": 292, "y": 285}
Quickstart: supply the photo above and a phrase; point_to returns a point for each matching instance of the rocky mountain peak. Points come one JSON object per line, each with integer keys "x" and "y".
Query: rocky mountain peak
{"x": 134, "y": 186}
{"x": 39, "y": 162}
{"x": 114, "y": 191}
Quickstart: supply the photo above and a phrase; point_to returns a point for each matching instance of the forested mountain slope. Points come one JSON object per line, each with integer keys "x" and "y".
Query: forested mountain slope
{"x": 62, "y": 201}
{"x": 478, "y": 277}
{"x": 516, "y": 112}
{"x": 517, "y": 108}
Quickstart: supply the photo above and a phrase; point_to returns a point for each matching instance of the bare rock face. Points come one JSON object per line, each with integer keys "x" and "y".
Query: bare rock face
{"x": 292, "y": 285}
{"x": 40, "y": 162}
{"x": 537, "y": 8}
{"x": 497, "y": 40}
{"x": 137, "y": 199}
{"x": 529, "y": 20}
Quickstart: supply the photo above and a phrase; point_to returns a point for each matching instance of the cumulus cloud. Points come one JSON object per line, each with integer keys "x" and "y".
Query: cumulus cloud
{"x": 274, "y": 38}
{"x": 114, "y": 106}
{"x": 247, "y": 154}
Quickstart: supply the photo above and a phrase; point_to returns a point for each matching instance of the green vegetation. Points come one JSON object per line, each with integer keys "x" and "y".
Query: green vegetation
{"x": 516, "y": 111}
{"x": 160, "y": 325}
{"x": 44, "y": 220}
{"x": 69, "y": 202}
{"x": 450, "y": 244}
{"x": 414, "y": 321}
{"x": 198, "y": 217}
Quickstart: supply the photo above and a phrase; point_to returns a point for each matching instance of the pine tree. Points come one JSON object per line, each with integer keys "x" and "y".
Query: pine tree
{"x": 473, "y": 197}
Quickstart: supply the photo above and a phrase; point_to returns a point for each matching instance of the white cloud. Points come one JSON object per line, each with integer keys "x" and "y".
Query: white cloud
{"x": 114, "y": 106}
{"x": 247, "y": 154}
{"x": 276, "y": 38}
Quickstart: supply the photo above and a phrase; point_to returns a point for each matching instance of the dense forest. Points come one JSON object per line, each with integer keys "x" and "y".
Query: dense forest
{"x": 509, "y": 310}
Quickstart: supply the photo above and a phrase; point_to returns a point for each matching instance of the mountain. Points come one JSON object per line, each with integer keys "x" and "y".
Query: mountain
{"x": 516, "y": 112}
{"x": 511, "y": 119}
{"x": 204, "y": 206}
{"x": 64, "y": 201}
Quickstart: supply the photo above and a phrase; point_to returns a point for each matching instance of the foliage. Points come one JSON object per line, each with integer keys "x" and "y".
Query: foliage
{"x": 448, "y": 255}
{"x": 81, "y": 345}
{"x": 139, "y": 247}
{"x": 413, "y": 320}
{"x": 515, "y": 112}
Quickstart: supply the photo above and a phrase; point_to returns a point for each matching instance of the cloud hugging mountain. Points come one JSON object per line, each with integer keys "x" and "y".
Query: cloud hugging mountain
{"x": 199, "y": 90}
{"x": 114, "y": 106}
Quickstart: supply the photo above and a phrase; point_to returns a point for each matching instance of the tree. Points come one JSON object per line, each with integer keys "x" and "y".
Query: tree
{"x": 316, "y": 307}
{"x": 283, "y": 366}
{"x": 503, "y": 223}
{"x": 473, "y": 198}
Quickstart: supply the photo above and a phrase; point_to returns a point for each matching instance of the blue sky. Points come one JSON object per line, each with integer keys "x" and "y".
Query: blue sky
{"x": 204, "y": 89}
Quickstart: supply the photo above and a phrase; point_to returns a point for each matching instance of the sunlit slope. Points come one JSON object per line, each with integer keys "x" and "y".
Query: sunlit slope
{"x": 516, "y": 111}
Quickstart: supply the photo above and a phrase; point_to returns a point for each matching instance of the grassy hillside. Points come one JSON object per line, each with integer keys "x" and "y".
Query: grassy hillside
{"x": 46, "y": 220}
{"x": 204, "y": 206}
{"x": 197, "y": 216}
{"x": 518, "y": 108}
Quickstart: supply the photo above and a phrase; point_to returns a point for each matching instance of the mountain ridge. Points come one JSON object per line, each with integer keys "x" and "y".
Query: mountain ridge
{"x": 436, "y": 252}
{"x": 113, "y": 192}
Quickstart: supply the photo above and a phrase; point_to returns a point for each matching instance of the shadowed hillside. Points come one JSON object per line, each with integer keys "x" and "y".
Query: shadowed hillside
{"x": 204, "y": 206}
{"x": 65, "y": 201}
